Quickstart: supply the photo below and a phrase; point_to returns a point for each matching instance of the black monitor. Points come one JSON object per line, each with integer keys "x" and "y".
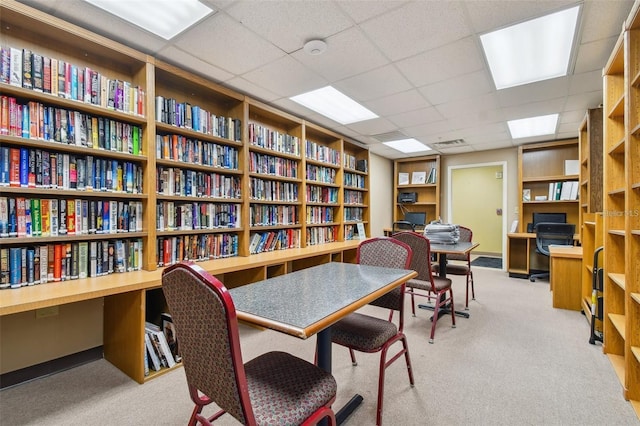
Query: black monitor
{"x": 416, "y": 218}
{"x": 548, "y": 217}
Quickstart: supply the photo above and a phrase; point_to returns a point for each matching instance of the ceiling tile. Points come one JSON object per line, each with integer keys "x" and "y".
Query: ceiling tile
{"x": 466, "y": 85}
{"x": 591, "y": 56}
{"x": 415, "y": 117}
{"x": 584, "y": 101}
{"x": 286, "y": 77}
{"x": 397, "y": 103}
{"x": 534, "y": 92}
{"x": 363, "y": 10}
{"x": 187, "y": 61}
{"x": 534, "y": 109}
{"x": 368, "y": 86}
{"x": 252, "y": 90}
{"x": 372, "y": 127}
{"x": 602, "y": 20}
{"x": 469, "y": 105}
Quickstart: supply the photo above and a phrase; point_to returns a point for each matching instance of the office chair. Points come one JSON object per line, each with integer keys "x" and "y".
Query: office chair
{"x": 366, "y": 333}
{"x": 548, "y": 233}
{"x": 461, "y": 269}
{"x": 274, "y": 388}
{"x": 435, "y": 286}
{"x": 403, "y": 225}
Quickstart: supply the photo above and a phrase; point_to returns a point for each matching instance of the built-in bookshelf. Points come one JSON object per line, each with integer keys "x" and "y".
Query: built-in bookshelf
{"x": 323, "y": 176}
{"x": 621, "y": 208}
{"x": 592, "y": 294}
{"x": 548, "y": 181}
{"x": 419, "y": 176}
{"x": 590, "y": 142}
{"x": 355, "y": 163}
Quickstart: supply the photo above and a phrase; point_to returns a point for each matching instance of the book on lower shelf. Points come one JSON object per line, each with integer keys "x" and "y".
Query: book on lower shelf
{"x": 169, "y": 330}
{"x": 160, "y": 344}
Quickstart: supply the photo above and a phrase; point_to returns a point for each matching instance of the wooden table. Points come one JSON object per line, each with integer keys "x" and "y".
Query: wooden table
{"x": 309, "y": 301}
{"x": 565, "y": 276}
{"x": 442, "y": 250}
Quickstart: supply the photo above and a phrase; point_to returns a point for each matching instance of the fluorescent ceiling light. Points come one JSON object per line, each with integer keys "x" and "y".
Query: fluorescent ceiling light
{"x": 335, "y": 105}
{"x": 407, "y": 145}
{"x": 165, "y": 18}
{"x": 534, "y": 126}
{"x": 531, "y": 51}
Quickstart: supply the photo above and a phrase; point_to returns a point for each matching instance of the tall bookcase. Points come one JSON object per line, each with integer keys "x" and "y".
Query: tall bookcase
{"x": 590, "y": 142}
{"x": 422, "y": 176}
{"x": 539, "y": 166}
{"x": 621, "y": 208}
{"x": 355, "y": 172}
{"x": 591, "y": 240}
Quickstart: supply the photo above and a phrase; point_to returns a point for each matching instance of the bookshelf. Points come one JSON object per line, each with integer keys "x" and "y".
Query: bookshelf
{"x": 422, "y": 176}
{"x": 590, "y": 143}
{"x": 591, "y": 240}
{"x": 539, "y": 166}
{"x": 322, "y": 188}
{"x": 157, "y": 174}
{"x": 621, "y": 215}
{"x": 355, "y": 163}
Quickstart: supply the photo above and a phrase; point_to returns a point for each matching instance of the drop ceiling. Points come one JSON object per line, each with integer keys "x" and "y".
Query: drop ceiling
{"x": 417, "y": 64}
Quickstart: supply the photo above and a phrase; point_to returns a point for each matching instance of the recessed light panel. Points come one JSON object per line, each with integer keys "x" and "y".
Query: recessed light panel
{"x": 165, "y": 18}
{"x": 534, "y": 126}
{"x": 531, "y": 51}
{"x": 334, "y": 104}
{"x": 407, "y": 145}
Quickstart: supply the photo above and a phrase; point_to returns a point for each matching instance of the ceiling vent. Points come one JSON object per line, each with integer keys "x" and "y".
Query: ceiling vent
{"x": 390, "y": 136}
{"x": 450, "y": 144}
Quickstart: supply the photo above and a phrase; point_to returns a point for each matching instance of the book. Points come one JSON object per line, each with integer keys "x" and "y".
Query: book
{"x": 169, "y": 330}
{"x": 526, "y": 195}
{"x": 151, "y": 351}
{"x": 403, "y": 178}
{"x": 158, "y": 338}
{"x": 418, "y": 178}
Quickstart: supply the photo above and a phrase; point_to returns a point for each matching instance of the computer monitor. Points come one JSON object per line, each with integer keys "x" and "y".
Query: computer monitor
{"x": 416, "y": 218}
{"x": 548, "y": 217}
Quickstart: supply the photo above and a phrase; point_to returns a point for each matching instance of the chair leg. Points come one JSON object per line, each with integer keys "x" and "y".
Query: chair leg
{"x": 453, "y": 310}
{"x": 434, "y": 320}
{"x": 353, "y": 357}
{"x": 413, "y": 303}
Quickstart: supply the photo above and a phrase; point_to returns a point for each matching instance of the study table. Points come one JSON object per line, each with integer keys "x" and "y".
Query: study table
{"x": 442, "y": 250}
{"x": 309, "y": 301}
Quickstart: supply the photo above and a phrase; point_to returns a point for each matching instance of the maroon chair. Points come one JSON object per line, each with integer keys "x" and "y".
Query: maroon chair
{"x": 464, "y": 268}
{"x": 366, "y": 333}
{"x": 436, "y": 288}
{"x": 274, "y": 388}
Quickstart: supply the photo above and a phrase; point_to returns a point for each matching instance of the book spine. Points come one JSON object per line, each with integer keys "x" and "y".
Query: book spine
{"x": 5, "y": 272}
{"x": 15, "y": 267}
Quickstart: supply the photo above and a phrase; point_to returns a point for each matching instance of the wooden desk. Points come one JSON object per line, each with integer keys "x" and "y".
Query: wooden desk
{"x": 566, "y": 277}
{"x": 522, "y": 257}
{"x": 309, "y": 301}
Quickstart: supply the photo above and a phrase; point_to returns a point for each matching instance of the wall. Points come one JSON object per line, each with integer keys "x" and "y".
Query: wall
{"x": 380, "y": 194}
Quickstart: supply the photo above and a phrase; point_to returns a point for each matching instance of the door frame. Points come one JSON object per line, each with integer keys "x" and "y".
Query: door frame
{"x": 504, "y": 198}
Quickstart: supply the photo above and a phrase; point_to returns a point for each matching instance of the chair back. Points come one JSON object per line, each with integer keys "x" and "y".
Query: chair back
{"x": 389, "y": 253}
{"x": 205, "y": 319}
{"x": 403, "y": 225}
{"x": 548, "y": 233}
{"x": 421, "y": 259}
{"x": 466, "y": 236}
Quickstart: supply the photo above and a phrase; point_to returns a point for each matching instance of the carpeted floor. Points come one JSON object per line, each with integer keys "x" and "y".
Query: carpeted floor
{"x": 487, "y": 262}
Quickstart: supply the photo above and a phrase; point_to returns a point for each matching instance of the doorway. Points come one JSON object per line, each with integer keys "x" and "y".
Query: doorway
{"x": 477, "y": 199}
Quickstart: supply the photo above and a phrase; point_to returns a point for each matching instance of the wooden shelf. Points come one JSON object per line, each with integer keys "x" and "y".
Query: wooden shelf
{"x": 428, "y": 194}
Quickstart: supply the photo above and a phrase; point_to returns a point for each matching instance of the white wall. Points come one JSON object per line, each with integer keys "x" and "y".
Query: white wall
{"x": 380, "y": 194}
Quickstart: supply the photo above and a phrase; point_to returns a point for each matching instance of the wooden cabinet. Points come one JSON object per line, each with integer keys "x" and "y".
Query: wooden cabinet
{"x": 590, "y": 141}
{"x": 543, "y": 181}
{"x": 355, "y": 163}
{"x": 419, "y": 175}
{"x": 621, "y": 208}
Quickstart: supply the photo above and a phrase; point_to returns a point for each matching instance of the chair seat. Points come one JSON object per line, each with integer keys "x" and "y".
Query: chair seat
{"x": 285, "y": 389}
{"x": 440, "y": 284}
{"x": 453, "y": 269}
{"x": 363, "y": 333}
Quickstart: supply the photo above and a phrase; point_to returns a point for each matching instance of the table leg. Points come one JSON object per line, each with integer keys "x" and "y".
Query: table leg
{"x": 324, "y": 362}
{"x": 442, "y": 265}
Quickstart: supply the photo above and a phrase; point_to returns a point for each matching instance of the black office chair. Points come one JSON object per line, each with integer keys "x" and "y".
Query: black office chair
{"x": 549, "y": 233}
{"x": 403, "y": 225}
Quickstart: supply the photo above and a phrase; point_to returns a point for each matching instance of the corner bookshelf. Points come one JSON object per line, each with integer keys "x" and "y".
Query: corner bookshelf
{"x": 621, "y": 204}
{"x": 422, "y": 176}
{"x": 355, "y": 172}
{"x": 322, "y": 183}
{"x": 275, "y": 169}
{"x": 539, "y": 166}
{"x": 590, "y": 142}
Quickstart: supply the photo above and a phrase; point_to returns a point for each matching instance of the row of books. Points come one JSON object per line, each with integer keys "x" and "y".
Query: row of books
{"x": 321, "y": 174}
{"x": 194, "y": 151}
{"x": 273, "y": 190}
{"x": 37, "y": 168}
{"x": 37, "y": 121}
{"x": 194, "y": 117}
{"x": 274, "y": 166}
{"x": 272, "y": 215}
{"x": 198, "y": 247}
{"x": 353, "y": 197}
{"x": 323, "y": 153}
{"x": 173, "y": 216}
{"x": 322, "y": 235}
{"x": 568, "y": 190}
{"x": 161, "y": 344}
{"x": 35, "y": 71}
{"x": 189, "y": 183}
{"x": 322, "y": 194}
{"x": 351, "y": 162}
{"x": 274, "y": 240}
{"x": 353, "y": 213}
{"x": 41, "y": 264}
{"x": 317, "y": 214}
{"x": 265, "y": 137}
{"x": 354, "y": 180}
{"x": 351, "y": 232}
{"x": 35, "y": 217}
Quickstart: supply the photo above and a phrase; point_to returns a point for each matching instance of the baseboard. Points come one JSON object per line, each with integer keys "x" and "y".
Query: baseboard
{"x": 57, "y": 365}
